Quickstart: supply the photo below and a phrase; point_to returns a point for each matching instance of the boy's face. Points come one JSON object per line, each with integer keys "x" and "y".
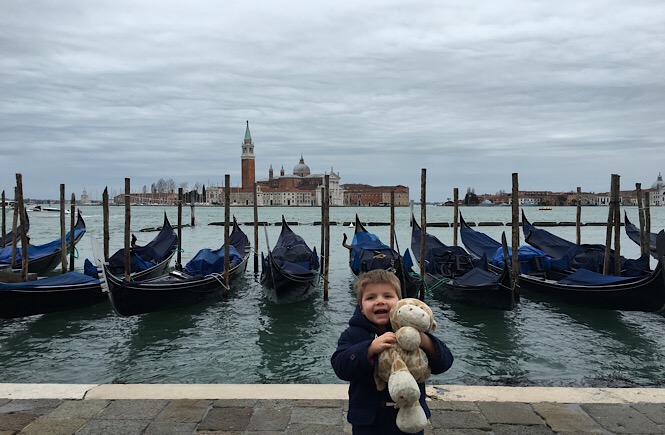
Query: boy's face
{"x": 377, "y": 301}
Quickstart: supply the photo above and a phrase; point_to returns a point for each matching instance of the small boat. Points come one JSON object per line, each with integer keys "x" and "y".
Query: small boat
{"x": 368, "y": 252}
{"x": 290, "y": 271}
{"x": 633, "y": 233}
{"x": 584, "y": 287}
{"x": 201, "y": 279}
{"x": 149, "y": 261}
{"x": 453, "y": 273}
{"x": 546, "y": 208}
{"x": 7, "y": 238}
{"x": 45, "y": 258}
{"x": 39, "y": 208}
{"x": 71, "y": 290}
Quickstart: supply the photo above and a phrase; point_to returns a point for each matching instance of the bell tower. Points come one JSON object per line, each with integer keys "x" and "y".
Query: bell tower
{"x": 247, "y": 162}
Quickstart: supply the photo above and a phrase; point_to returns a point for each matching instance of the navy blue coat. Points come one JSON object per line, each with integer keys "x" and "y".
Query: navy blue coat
{"x": 351, "y": 364}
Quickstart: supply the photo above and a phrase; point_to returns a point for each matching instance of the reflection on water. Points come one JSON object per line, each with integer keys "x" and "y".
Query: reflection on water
{"x": 248, "y": 339}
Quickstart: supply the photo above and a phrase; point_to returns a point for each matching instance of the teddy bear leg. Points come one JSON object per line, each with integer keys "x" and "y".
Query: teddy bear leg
{"x": 411, "y": 419}
{"x": 402, "y": 387}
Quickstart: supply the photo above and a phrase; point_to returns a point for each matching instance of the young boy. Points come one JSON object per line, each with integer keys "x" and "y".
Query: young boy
{"x": 369, "y": 333}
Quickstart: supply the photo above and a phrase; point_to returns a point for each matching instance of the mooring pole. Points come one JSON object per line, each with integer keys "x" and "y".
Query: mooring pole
{"x": 578, "y": 217}
{"x": 455, "y": 215}
{"x": 640, "y": 216}
{"x": 326, "y": 224}
{"x": 392, "y": 218}
{"x": 63, "y": 231}
{"x": 617, "y": 226}
{"x": 647, "y": 221}
{"x": 515, "y": 241}
{"x": 128, "y": 226}
{"x": 72, "y": 212}
{"x": 423, "y": 230}
{"x": 256, "y": 230}
{"x": 24, "y": 220}
{"x": 15, "y": 218}
{"x": 105, "y": 214}
{"x": 179, "y": 258}
{"x": 227, "y": 237}
{"x": 4, "y": 223}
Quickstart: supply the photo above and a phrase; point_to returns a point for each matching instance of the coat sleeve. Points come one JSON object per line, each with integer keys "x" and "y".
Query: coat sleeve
{"x": 350, "y": 360}
{"x": 442, "y": 359}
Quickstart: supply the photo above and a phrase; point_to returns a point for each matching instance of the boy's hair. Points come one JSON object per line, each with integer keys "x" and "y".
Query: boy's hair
{"x": 377, "y": 276}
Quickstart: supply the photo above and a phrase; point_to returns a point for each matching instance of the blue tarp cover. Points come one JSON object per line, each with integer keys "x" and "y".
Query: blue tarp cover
{"x": 68, "y": 278}
{"x": 37, "y": 251}
{"x": 587, "y": 277}
{"x": 208, "y": 261}
{"x": 477, "y": 277}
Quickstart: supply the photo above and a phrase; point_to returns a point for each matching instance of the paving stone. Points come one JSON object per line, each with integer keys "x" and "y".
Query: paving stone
{"x": 518, "y": 429}
{"x": 459, "y": 432}
{"x": 220, "y": 432}
{"x": 318, "y": 403}
{"x": 114, "y": 427}
{"x": 655, "y": 411}
{"x": 184, "y": 411}
{"x": 314, "y": 429}
{"x": 452, "y": 406}
{"x": 510, "y": 413}
{"x": 132, "y": 409}
{"x": 234, "y": 403}
{"x": 3, "y": 401}
{"x": 621, "y": 418}
{"x": 270, "y": 418}
{"x": 226, "y": 419}
{"x": 325, "y": 416}
{"x": 563, "y": 417}
{"x": 170, "y": 428}
{"x": 54, "y": 426}
{"x": 34, "y": 406}
{"x": 79, "y": 409}
{"x": 16, "y": 421}
{"x": 458, "y": 420}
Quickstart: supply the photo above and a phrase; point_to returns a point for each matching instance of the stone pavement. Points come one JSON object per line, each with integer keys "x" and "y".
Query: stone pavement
{"x": 317, "y": 409}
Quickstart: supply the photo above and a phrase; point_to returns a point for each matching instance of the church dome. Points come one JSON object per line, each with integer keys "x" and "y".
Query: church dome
{"x": 658, "y": 184}
{"x": 301, "y": 168}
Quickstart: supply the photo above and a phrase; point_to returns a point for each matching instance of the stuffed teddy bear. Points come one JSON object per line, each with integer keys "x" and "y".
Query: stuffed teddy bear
{"x": 406, "y": 364}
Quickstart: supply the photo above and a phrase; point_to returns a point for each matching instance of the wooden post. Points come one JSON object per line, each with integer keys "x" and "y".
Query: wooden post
{"x": 105, "y": 213}
{"x": 455, "y": 215}
{"x": 72, "y": 212}
{"x": 326, "y": 242}
{"x": 179, "y": 258}
{"x": 128, "y": 222}
{"x": 15, "y": 242}
{"x": 617, "y": 226}
{"x": 256, "y": 230}
{"x": 515, "y": 242}
{"x": 322, "y": 249}
{"x": 647, "y": 221}
{"x": 63, "y": 231}
{"x": 227, "y": 237}
{"x": 578, "y": 217}
{"x": 192, "y": 219}
{"x": 610, "y": 226}
{"x": 423, "y": 229}
{"x": 392, "y": 218}
{"x": 640, "y": 216}
{"x": 4, "y": 223}
{"x": 18, "y": 200}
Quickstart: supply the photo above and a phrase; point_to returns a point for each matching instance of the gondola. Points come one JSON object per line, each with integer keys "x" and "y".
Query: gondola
{"x": 583, "y": 287}
{"x": 367, "y": 252}
{"x": 149, "y": 261}
{"x": 45, "y": 258}
{"x": 584, "y": 256}
{"x": 68, "y": 291}
{"x": 7, "y": 238}
{"x": 454, "y": 274}
{"x": 290, "y": 271}
{"x": 633, "y": 234}
{"x": 201, "y": 279}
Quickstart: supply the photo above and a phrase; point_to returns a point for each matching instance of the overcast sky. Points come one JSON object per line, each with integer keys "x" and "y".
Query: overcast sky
{"x": 564, "y": 93}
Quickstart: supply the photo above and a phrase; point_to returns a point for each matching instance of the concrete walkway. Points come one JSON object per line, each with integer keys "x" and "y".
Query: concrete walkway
{"x": 318, "y": 409}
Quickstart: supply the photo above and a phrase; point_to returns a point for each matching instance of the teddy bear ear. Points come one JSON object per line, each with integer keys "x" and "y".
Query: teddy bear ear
{"x": 433, "y": 326}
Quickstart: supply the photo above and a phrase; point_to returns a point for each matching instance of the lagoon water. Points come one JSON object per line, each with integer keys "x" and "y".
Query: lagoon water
{"x": 250, "y": 339}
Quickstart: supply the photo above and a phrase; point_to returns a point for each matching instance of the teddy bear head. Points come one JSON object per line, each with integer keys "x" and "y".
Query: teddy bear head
{"x": 412, "y": 312}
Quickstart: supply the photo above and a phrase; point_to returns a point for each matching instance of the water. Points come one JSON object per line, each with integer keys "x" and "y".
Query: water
{"x": 249, "y": 339}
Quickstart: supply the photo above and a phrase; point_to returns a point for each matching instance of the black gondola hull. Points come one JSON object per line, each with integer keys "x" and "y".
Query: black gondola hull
{"x": 43, "y": 300}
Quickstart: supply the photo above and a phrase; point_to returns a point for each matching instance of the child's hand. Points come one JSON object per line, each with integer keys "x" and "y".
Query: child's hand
{"x": 381, "y": 343}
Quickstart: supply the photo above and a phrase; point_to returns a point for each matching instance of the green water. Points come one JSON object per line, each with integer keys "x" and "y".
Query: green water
{"x": 249, "y": 339}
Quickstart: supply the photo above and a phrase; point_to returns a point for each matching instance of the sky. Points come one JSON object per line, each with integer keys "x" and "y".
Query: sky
{"x": 562, "y": 93}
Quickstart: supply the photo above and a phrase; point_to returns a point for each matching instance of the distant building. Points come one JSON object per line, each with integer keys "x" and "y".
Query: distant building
{"x": 366, "y": 195}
